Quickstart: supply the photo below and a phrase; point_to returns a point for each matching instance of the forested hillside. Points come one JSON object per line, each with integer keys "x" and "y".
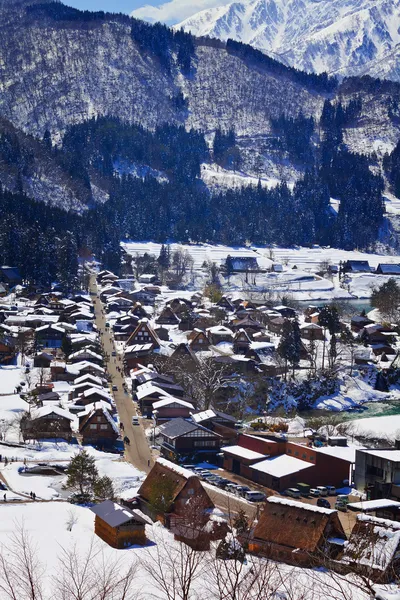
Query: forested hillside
{"x": 119, "y": 120}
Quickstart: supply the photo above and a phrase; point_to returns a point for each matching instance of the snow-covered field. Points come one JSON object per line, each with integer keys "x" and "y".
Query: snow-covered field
{"x": 386, "y": 428}
{"x": 48, "y": 527}
{"x": 298, "y": 278}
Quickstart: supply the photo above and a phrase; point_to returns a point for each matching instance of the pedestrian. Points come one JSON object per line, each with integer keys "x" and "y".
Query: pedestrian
{"x": 30, "y": 493}
{"x": 1, "y": 458}
{"x": 148, "y": 463}
{"x": 5, "y": 497}
{"x": 34, "y": 495}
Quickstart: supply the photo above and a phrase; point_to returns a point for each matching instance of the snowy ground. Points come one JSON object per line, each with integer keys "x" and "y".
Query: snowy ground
{"x": 385, "y": 428}
{"x": 48, "y": 526}
{"x": 299, "y": 269}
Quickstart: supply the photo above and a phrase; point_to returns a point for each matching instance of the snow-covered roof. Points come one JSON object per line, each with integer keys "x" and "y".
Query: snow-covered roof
{"x": 176, "y": 468}
{"x": 148, "y": 388}
{"x": 47, "y": 410}
{"x": 280, "y": 466}
{"x": 86, "y": 363}
{"x": 303, "y": 505}
{"x": 87, "y": 378}
{"x": 98, "y": 391}
{"x": 242, "y": 452}
{"x": 220, "y": 329}
{"x": 376, "y": 547}
{"x": 138, "y": 348}
{"x": 171, "y": 400}
{"x": 374, "y": 504}
{"x": 393, "y": 455}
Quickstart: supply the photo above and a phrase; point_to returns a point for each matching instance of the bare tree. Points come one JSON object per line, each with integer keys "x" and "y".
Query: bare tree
{"x": 21, "y": 572}
{"x": 92, "y": 576}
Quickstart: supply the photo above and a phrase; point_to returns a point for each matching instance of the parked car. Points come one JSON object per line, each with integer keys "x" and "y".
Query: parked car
{"x": 189, "y": 467}
{"x": 255, "y": 496}
{"x": 231, "y": 487}
{"x": 341, "y": 506}
{"x": 314, "y": 492}
{"x": 293, "y": 493}
{"x": 241, "y": 490}
{"x": 113, "y": 353}
{"x": 323, "y": 503}
{"x": 115, "y": 388}
{"x": 222, "y": 483}
{"x": 331, "y": 490}
{"x": 323, "y": 491}
{"x": 343, "y": 498}
{"x": 135, "y": 420}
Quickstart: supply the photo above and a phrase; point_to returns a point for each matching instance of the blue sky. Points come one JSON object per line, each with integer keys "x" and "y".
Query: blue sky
{"x": 126, "y": 6}
{"x": 167, "y": 11}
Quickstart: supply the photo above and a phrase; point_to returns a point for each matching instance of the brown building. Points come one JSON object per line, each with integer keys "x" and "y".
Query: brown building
{"x": 373, "y": 549}
{"x": 297, "y": 533}
{"x": 98, "y": 427}
{"x": 47, "y": 423}
{"x": 198, "y": 341}
{"x": 279, "y": 465}
{"x": 311, "y": 331}
{"x": 183, "y": 438}
{"x": 167, "y": 490}
{"x": 118, "y": 526}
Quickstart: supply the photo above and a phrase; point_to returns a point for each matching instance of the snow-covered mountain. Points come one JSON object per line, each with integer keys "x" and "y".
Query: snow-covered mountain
{"x": 347, "y": 37}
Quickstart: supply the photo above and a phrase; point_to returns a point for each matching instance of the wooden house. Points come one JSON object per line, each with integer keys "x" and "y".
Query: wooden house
{"x": 297, "y": 533}
{"x": 42, "y": 360}
{"x": 49, "y": 336}
{"x": 285, "y": 311}
{"x": 184, "y": 351}
{"x": 198, "y": 341}
{"x": 241, "y": 342}
{"x": 7, "y": 349}
{"x": 356, "y": 266}
{"x": 219, "y": 333}
{"x": 276, "y": 325}
{"x": 176, "y": 485}
{"x": 388, "y": 269}
{"x": 373, "y": 549}
{"x": 168, "y": 317}
{"x": 358, "y": 322}
{"x": 119, "y": 526}
{"x": 183, "y": 439}
{"x": 226, "y": 303}
{"x": 47, "y": 423}
{"x": 144, "y": 334}
{"x": 311, "y": 331}
{"x": 166, "y": 409}
{"x": 98, "y": 427}
{"x": 138, "y": 311}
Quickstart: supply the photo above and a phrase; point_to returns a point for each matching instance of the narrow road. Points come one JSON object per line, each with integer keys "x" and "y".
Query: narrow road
{"x": 138, "y": 452}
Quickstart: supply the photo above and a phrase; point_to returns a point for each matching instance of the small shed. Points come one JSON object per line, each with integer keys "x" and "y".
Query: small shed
{"x": 118, "y": 526}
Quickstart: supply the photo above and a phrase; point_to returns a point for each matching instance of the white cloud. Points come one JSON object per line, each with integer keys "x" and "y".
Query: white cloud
{"x": 175, "y": 11}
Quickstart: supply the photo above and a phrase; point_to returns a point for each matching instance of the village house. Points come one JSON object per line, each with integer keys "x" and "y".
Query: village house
{"x": 219, "y": 333}
{"x": 7, "y": 349}
{"x": 198, "y": 341}
{"x": 99, "y": 428}
{"x": 241, "y": 342}
{"x": 168, "y": 317}
{"x": 49, "y": 422}
{"x": 377, "y": 472}
{"x": 94, "y": 394}
{"x": 358, "y": 322}
{"x": 311, "y": 331}
{"x": 356, "y": 266}
{"x": 42, "y": 360}
{"x": 297, "y": 533}
{"x": 388, "y": 269}
{"x": 183, "y": 439}
{"x": 49, "y": 336}
{"x": 241, "y": 264}
{"x": 118, "y": 526}
{"x": 373, "y": 549}
{"x": 177, "y": 485}
{"x": 169, "y": 408}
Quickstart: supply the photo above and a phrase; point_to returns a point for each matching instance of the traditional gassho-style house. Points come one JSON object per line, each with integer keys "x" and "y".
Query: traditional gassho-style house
{"x": 198, "y": 341}
{"x": 118, "y": 526}
{"x": 49, "y": 422}
{"x": 297, "y": 533}
{"x": 98, "y": 427}
{"x": 373, "y": 549}
{"x": 167, "y": 490}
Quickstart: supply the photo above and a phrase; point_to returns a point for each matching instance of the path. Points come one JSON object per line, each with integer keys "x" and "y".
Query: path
{"x": 138, "y": 452}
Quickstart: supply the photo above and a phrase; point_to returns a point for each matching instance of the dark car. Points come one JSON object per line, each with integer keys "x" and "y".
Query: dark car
{"x": 323, "y": 503}
{"x": 115, "y": 388}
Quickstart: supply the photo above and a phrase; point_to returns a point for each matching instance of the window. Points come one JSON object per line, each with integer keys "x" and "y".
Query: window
{"x": 289, "y": 451}
{"x": 296, "y": 453}
{"x": 304, "y": 455}
{"x": 204, "y": 443}
{"x": 104, "y": 426}
{"x": 93, "y": 426}
{"x": 312, "y": 458}
{"x": 98, "y": 419}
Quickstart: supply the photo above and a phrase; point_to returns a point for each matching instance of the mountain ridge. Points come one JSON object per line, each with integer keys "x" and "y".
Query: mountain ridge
{"x": 338, "y": 37}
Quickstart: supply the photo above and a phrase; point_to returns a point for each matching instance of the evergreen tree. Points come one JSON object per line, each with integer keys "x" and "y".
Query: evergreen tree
{"x": 82, "y": 473}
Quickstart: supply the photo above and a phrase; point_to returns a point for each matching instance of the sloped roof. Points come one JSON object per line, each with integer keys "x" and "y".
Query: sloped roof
{"x": 373, "y": 542}
{"x": 114, "y": 514}
{"x": 164, "y": 469}
{"x": 295, "y": 524}
{"x": 167, "y": 401}
{"x": 48, "y": 410}
{"x": 280, "y": 466}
